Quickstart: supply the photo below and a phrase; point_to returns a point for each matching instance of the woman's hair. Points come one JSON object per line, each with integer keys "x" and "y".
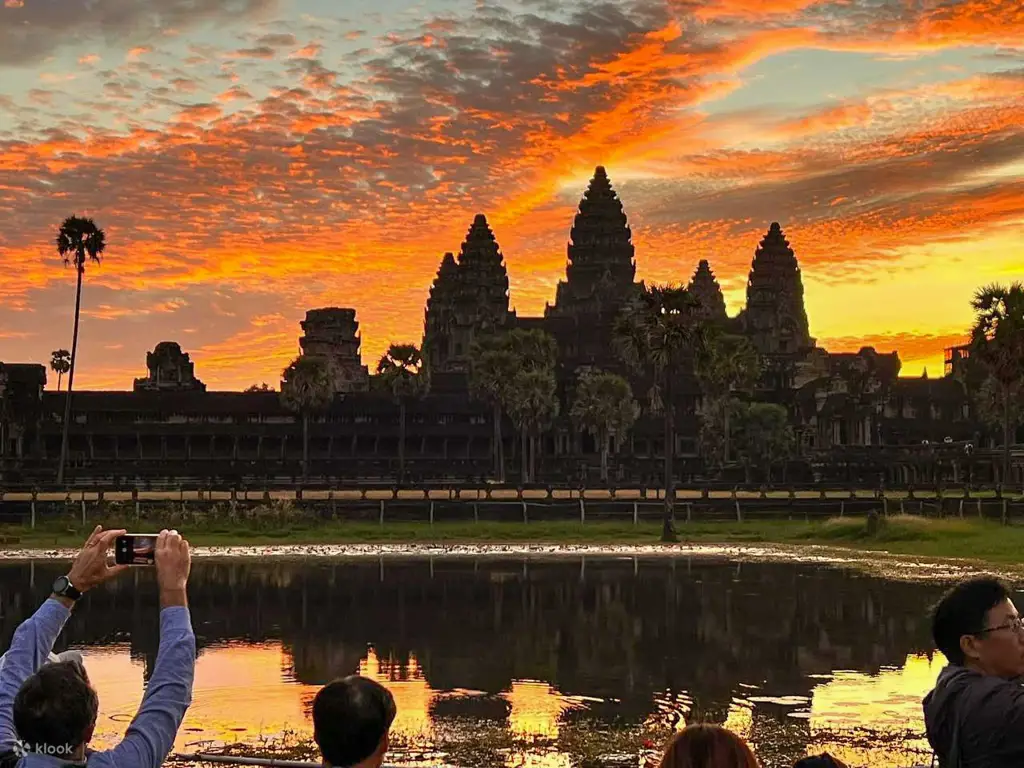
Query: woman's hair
{"x": 707, "y": 746}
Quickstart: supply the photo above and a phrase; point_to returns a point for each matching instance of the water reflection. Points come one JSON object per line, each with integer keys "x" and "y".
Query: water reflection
{"x": 544, "y": 652}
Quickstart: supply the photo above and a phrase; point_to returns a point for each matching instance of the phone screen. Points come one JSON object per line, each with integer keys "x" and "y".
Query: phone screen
{"x": 135, "y": 549}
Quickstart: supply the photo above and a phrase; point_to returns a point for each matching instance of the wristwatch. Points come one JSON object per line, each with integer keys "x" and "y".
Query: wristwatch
{"x": 64, "y": 588}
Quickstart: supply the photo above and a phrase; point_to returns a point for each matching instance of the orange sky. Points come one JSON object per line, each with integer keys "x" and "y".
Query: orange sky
{"x": 251, "y": 159}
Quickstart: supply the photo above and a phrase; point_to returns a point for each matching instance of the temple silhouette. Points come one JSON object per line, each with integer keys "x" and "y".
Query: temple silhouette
{"x": 855, "y": 419}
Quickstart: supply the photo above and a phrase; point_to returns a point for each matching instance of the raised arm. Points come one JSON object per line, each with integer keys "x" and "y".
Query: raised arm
{"x": 30, "y": 647}
{"x": 150, "y": 737}
{"x": 33, "y": 640}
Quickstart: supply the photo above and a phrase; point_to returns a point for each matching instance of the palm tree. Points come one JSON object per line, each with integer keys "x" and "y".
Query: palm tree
{"x": 604, "y": 407}
{"x": 727, "y": 364}
{"x": 997, "y": 346}
{"x": 494, "y": 362}
{"x": 533, "y": 406}
{"x": 60, "y": 363}
{"x": 78, "y": 240}
{"x": 307, "y": 388}
{"x": 658, "y": 334}
{"x": 402, "y": 372}
{"x": 491, "y": 370}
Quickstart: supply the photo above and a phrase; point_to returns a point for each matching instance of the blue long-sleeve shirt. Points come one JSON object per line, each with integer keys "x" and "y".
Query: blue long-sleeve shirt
{"x": 150, "y": 736}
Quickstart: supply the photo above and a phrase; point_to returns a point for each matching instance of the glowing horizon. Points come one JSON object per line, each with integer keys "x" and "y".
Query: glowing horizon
{"x": 252, "y": 159}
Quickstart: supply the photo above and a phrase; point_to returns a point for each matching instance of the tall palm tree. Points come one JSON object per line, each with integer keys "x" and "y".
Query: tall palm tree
{"x": 307, "y": 388}
{"x": 658, "y": 334}
{"x": 727, "y": 363}
{"x": 604, "y": 407}
{"x": 997, "y": 346}
{"x": 533, "y": 406}
{"x": 402, "y": 372}
{"x": 78, "y": 240}
{"x": 492, "y": 366}
{"x": 494, "y": 362}
{"x": 60, "y": 363}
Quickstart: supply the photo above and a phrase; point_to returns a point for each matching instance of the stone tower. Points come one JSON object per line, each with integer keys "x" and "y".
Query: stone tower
{"x": 775, "y": 318}
{"x": 440, "y": 315}
{"x": 601, "y": 268}
{"x": 469, "y": 298}
{"x": 333, "y": 333}
{"x": 705, "y": 288}
{"x": 170, "y": 370}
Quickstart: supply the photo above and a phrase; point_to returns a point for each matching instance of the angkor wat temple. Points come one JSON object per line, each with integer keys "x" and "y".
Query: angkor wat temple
{"x": 855, "y": 418}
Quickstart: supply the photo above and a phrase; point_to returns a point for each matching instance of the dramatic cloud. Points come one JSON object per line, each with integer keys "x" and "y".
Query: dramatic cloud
{"x": 280, "y": 161}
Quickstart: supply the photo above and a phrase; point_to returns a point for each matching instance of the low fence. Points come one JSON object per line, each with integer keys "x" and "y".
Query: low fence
{"x": 523, "y": 505}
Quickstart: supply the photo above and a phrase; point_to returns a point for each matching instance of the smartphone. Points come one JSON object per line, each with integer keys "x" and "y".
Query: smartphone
{"x": 135, "y": 549}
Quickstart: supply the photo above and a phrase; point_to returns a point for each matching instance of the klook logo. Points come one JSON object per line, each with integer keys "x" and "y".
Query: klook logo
{"x": 22, "y": 748}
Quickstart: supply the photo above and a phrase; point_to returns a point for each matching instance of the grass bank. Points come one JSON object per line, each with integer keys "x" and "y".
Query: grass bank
{"x": 972, "y": 538}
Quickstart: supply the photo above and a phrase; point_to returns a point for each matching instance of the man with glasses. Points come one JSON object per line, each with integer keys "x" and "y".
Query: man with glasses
{"x": 975, "y": 714}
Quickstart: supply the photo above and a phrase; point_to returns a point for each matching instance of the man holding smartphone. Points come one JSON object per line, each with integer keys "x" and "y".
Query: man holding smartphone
{"x": 48, "y": 710}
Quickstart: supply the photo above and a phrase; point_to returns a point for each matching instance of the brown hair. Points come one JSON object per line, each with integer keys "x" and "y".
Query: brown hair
{"x": 707, "y": 746}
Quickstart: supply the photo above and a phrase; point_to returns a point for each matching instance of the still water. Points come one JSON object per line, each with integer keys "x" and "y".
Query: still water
{"x": 544, "y": 662}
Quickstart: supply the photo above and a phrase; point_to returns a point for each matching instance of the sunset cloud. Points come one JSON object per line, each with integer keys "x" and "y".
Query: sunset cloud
{"x": 284, "y": 162}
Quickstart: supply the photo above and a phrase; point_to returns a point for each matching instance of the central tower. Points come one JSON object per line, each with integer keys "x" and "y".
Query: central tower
{"x": 601, "y": 268}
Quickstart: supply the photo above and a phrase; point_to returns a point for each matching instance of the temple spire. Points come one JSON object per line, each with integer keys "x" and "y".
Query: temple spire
{"x": 775, "y": 316}
{"x": 601, "y": 268}
{"x": 708, "y": 292}
{"x": 469, "y": 298}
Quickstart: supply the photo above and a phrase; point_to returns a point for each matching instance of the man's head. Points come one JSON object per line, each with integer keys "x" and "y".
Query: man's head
{"x": 976, "y": 625}
{"x": 55, "y": 710}
{"x": 351, "y": 720}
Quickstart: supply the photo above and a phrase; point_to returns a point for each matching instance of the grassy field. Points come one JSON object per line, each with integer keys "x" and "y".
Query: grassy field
{"x": 973, "y": 539}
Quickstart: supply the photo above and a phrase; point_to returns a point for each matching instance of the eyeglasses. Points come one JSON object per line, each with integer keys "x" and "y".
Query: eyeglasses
{"x": 1016, "y": 624}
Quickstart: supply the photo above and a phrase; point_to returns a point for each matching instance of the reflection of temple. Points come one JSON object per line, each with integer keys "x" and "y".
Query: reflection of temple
{"x": 856, "y": 419}
{"x": 622, "y": 635}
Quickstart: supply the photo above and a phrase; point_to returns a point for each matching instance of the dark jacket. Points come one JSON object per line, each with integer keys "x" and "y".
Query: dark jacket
{"x": 979, "y": 717}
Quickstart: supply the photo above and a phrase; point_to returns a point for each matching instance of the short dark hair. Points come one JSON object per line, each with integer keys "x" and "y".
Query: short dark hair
{"x": 55, "y": 707}
{"x": 351, "y": 716}
{"x": 962, "y": 611}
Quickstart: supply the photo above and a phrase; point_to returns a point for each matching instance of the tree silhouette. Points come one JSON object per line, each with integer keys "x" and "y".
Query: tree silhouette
{"x": 604, "y": 407}
{"x": 306, "y": 388}
{"x": 533, "y": 406}
{"x": 658, "y": 334}
{"x": 78, "y": 240}
{"x": 60, "y": 363}
{"x": 726, "y": 364}
{"x": 763, "y": 436}
{"x": 402, "y": 373}
{"x": 492, "y": 366}
{"x": 997, "y": 346}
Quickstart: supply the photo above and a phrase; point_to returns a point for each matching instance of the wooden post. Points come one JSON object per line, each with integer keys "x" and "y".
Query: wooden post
{"x": 334, "y": 504}
{"x": 961, "y": 509}
{"x": 83, "y": 509}
{"x": 476, "y": 513}
{"x": 979, "y": 506}
{"x": 842, "y": 508}
{"x": 885, "y": 505}
{"x": 1004, "y": 510}
{"x": 636, "y": 513}
{"x": 431, "y": 525}
{"x": 902, "y": 508}
{"x": 689, "y": 511}
{"x": 33, "y": 523}
{"x": 739, "y": 513}
{"x": 583, "y": 512}
{"x": 382, "y": 517}
{"x": 526, "y": 518}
